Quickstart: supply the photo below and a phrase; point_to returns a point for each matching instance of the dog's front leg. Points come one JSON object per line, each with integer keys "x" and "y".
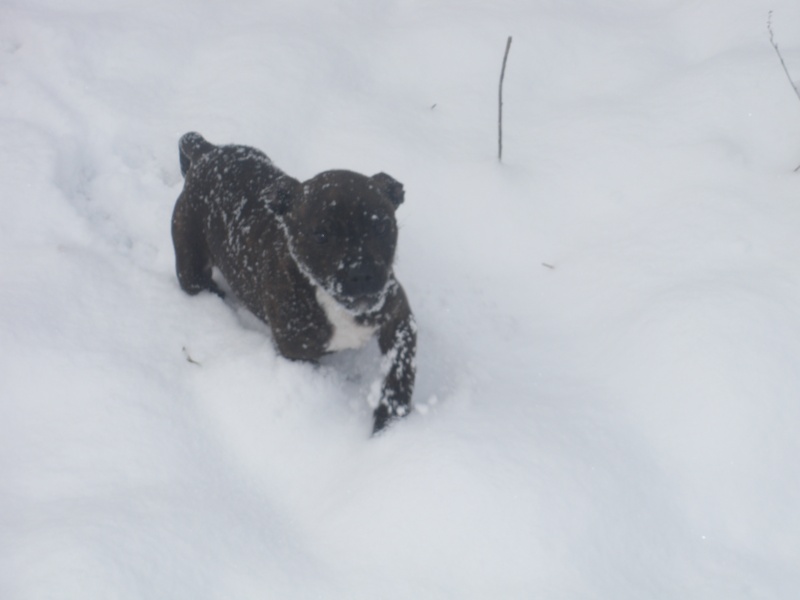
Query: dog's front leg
{"x": 398, "y": 344}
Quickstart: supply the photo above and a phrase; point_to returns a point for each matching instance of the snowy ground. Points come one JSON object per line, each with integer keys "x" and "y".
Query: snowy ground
{"x": 608, "y": 386}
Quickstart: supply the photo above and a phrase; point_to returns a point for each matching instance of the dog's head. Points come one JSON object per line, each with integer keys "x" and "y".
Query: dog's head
{"x": 342, "y": 231}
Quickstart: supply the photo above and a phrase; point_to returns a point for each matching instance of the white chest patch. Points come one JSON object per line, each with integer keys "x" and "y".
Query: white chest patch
{"x": 347, "y": 334}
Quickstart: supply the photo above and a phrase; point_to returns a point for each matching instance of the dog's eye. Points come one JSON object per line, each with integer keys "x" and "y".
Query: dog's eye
{"x": 380, "y": 227}
{"x": 320, "y": 235}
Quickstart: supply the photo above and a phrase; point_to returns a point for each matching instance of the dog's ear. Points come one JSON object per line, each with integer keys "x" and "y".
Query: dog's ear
{"x": 283, "y": 193}
{"x": 389, "y": 187}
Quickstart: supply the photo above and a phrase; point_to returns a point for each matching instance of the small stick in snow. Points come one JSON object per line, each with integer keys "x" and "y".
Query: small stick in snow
{"x": 548, "y": 266}
{"x": 783, "y": 64}
{"x": 500, "y": 104}
{"x": 189, "y": 358}
{"x": 780, "y": 56}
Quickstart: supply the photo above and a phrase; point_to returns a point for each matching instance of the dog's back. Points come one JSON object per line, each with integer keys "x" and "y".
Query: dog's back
{"x": 222, "y": 217}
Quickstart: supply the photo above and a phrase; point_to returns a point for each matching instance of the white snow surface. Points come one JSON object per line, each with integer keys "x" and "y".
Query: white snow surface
{"x": 608, "y": 384}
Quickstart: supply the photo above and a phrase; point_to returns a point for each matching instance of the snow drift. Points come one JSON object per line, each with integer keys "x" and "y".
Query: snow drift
{"x": 609, "y": 320}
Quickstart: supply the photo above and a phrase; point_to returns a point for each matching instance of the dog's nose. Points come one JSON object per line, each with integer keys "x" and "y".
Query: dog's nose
{"x": 364, "y": 280}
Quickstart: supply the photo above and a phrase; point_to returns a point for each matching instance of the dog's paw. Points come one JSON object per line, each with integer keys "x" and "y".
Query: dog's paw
{"x": 382, "y": 419}
{"x": 385, "y": 415}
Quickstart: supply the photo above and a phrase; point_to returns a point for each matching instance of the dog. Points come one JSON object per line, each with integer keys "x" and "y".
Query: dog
{"x": 313, "y": 260}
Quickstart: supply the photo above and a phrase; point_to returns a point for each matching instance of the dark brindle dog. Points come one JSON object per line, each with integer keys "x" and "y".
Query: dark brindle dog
{"x": 313, "y": 259}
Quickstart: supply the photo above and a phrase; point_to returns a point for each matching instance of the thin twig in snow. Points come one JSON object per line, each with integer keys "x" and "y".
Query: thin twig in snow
{"x": 500, "y": 104}
{"x": 189, "y": 358}
{"x": 780, "y": 56}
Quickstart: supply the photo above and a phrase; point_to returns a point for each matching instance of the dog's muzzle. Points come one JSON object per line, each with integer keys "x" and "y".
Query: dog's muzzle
{"x": 363, "y": 281}
{"x": 362, "y": 289}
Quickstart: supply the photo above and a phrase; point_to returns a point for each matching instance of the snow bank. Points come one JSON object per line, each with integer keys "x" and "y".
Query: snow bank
{"x": 608, "y": 320}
